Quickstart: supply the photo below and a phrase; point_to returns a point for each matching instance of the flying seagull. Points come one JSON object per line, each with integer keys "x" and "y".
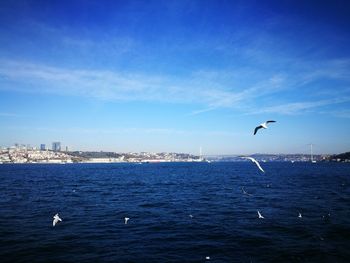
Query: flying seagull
{"x": 126, "y": 219}
{"x": 260, "y": 216}
{"x": 300, "y": 216}
{"x": 262, "y": 125}
{"x": 56, "y": 218}
{"x": 254, "y": 161}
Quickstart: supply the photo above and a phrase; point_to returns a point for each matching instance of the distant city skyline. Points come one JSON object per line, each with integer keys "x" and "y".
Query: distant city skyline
{"x": 174, "y": 76}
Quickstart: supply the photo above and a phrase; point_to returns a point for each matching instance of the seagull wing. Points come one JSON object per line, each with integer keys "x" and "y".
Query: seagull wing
{"x": 257, "y": 164}
{"x": 270, "y": 121}
{"x": 54, "y": 222}
{"x": 254, "y": 161}
{"x": 57, "y": 217}
{"x": 257, "y": 128}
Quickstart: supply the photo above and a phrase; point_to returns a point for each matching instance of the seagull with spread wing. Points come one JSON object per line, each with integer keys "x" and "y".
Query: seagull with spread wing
{"x": 56, "y": 218}
{"x": 262, "y": 126}
{"x": 254, "y": 161}
{"x": 260, "y": 215}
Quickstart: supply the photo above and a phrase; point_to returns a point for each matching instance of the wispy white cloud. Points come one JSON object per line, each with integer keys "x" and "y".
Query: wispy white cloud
{"x": 128, "y": 130}
{"x": 108, "y": 46}
{"x": 108, "y": 85}
{"x": 196, "y": 112}
{"x": 332, "y": 70}
{"x": 300, "y": 107}
{"x": 100, "y": 84}
{"x": 9, "y": 114}
{"x": 209, "y": 90}
{"x": 342, "y": 113}
{"x": 235, "y": 95}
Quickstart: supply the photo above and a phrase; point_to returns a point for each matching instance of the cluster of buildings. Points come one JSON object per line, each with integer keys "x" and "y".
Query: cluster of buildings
{"x": 56, "y": 147}
{"x": 132, "y": 157}
{"x": 27, "y": 154}
{"x": 22, "y": 153}
{"x": 33, "y": 156}
{"x": 162, "y": 157}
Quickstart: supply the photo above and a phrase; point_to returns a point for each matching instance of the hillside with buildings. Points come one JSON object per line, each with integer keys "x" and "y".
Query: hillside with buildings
{"x": 27, "y": 154}
{"x": 343, "y": 157}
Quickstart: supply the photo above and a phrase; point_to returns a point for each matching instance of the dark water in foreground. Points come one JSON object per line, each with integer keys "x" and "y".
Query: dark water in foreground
{"x": 93, "y": 200}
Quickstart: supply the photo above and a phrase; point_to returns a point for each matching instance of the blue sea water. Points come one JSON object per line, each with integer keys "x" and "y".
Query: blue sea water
{"x": 93, "y": 199}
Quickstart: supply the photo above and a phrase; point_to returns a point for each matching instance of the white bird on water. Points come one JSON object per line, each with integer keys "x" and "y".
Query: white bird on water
{"x": 126, "y": 219}
{"x": 254, "y": 161}
{"x": 245, "y": 192}
{"x": 300, "y": 216}
{"x": 260, "y": 215}
{"x": 56, "y": 218}
{"x": 262, "y": 126}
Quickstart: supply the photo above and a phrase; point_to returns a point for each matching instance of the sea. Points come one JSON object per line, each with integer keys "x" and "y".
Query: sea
{"x": 179, "y": 212}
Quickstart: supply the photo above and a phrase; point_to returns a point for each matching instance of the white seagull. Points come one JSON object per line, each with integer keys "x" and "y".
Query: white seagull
{"x": 260, "y": 216}
{"x": 262, "y": 125}
{"x": 254, "y": 161}
{"x": 56, "y": 218}
{"x": 126, "y": 219}
{"x": 244, "y": 191}
{"x": 300, "y": 216}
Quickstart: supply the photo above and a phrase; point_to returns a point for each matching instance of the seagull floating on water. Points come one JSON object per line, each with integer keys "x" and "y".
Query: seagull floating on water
{"x": 126, "y": 219}
{"x": 56, "y": 218}
{"x": 244, "y": 191}
{"x": 191, "y": 216}
{"x": 207, "y": 258}
{"x": 262, "y": 126}
{"x": 254, "y": 161}
{"x": 260, "y": 216}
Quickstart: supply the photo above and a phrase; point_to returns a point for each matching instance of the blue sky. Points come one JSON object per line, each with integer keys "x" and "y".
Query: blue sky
{"x": 176, "y": 75}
